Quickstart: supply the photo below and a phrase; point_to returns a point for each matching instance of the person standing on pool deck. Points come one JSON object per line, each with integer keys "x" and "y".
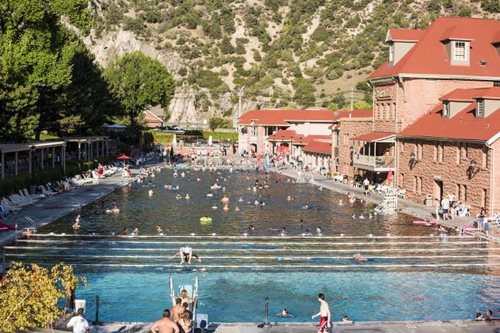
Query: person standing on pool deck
{"x": 324, "y": 313}
{"x": 165, "y": 324}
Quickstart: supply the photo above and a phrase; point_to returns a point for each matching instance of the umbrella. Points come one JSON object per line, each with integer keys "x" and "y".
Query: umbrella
{"x": 123, "y": 157}
{"x": 5, "y": 227}
{"x": 389, "y": 177}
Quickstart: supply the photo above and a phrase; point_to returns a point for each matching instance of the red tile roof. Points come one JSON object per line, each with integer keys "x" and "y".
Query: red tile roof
{"x": 282, "y": 117}
{"x": 283, "y": 135}
{"x": 285, "y": 117}
{"x": 373, "y": 136}
{"x": 464, "y": 125}
{"x": 489, "y": 93}
{"x": 406, "y": 35}
{"x": 429, "y": 55}
{"x": 359, "y": 113}
{"x": 319, "y": 147}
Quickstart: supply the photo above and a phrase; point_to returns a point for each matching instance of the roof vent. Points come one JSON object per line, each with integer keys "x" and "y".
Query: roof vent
{"x": 483, "y": 62}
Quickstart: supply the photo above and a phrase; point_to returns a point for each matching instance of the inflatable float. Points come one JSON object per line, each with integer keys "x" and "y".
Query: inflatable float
{"x": 426, "y": 223}
{"x": 205, "y": 219}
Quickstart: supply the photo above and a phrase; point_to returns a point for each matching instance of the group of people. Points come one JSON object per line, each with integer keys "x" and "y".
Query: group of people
{"x": 449, "y": 207}
{"x": 178, "y": 319}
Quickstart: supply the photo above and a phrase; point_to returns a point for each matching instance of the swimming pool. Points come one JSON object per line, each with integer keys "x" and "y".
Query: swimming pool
{"x": 412, "y": 273}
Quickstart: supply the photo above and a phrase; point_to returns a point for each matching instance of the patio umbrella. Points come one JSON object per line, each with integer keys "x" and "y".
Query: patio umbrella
{"x": 389, "y": 177}
{"x": 123, "y": 157}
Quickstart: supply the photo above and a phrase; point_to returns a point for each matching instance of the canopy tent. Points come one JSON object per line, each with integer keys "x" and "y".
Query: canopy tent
{"x": 123, "y": 157}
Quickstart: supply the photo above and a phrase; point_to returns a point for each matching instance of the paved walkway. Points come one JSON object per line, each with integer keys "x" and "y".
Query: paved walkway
{"x": 455, "y": 326}
{"x": 405, "y": 206}
{"x": 53, "y": 208}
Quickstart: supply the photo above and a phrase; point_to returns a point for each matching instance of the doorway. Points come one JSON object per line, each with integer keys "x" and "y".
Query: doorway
{"x": 438, "y": 189}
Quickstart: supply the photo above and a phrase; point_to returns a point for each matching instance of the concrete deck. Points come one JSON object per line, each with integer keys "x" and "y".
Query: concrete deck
{"x": 455, "y": 326}
{"x": 405, "y": 206}
{"x": 53, "y": 208}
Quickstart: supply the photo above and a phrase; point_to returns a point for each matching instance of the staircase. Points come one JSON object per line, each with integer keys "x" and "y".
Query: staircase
{"x": 389, "y": 205}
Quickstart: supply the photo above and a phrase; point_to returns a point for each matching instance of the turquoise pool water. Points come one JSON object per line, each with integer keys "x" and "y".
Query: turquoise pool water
{"x": 412, "y": 274}
{"x": 239, "y": 296}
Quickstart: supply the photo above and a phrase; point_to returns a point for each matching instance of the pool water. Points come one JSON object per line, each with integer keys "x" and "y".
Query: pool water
{"x": 411, "y": 274}
{"x": 239, "y": 296}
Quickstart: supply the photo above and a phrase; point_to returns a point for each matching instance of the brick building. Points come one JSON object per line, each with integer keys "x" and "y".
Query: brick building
{"x": 347, "y": 126}
{"x": 455, "y": 149}
{"x": 424, "y": 65}
{"x": 255, "y": 127}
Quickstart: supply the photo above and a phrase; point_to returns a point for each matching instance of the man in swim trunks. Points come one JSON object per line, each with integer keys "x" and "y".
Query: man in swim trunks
{"x": 165, "y": 324}
{"x": 324, "y": 313}
{"x": 177, "y": 310}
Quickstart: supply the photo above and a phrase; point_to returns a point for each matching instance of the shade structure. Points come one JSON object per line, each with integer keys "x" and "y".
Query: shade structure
{"x": 123, "y": 157}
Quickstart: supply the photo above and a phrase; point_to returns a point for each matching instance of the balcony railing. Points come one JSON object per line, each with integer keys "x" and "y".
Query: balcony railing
{"x": 374, "y": 163}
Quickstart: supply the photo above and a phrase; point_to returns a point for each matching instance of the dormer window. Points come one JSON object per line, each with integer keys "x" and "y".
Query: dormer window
{"x": 391, "y": 53}
{"x": 480, "y": 108}
{"x": 460, "y": 52}
{"x": 446, "y": 109}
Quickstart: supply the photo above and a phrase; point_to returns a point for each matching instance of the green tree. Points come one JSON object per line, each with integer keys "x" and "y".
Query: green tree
{"x": 29, "y": 295}
{"x": 214, "y": 123}
{"x": 139, "y": 82}
{"x": 35, "y": 62}
{"x": 304, "y": 92}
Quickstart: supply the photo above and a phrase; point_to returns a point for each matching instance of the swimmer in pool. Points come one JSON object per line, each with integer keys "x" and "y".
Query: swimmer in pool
{"x": 159, "y": 230}
{"x": 285, "y": 314}
{"x": 225, "y": 200}
{"x": 318, "y": 231}
{"x": 76, "y": 225}
{"x": 359, "y": 258}
{"x": 236, "y": 209}
{"x": 114, "y": 210}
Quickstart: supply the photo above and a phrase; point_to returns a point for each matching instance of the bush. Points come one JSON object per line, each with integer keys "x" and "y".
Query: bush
{"x": 221, "y": 136}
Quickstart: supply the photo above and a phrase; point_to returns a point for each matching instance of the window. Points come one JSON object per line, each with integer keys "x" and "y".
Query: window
{"x": 415, "y": 184}
{"x": 446, "y": 109}
{"x": 419, "y": 151}
{"x": 401, "y": 182}
{"x": 496, "y": 83}
{"x": 484, "y": 198}
{"x": 462, "y": 192}
{"x": 480, "y": 108}
{"x": 460, "y": 51}
{"x": 440, "y": 152}
{"x": 484, "y": 159}
{"x": 463, "y": 151}
{"x": 391, "y": 53}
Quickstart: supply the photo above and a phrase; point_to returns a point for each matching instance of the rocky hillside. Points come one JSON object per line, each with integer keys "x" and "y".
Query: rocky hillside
{"x": 263, "y": 53}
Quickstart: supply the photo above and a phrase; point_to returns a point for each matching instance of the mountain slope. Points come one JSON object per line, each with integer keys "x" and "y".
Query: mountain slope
{"x": 263, "y": 53}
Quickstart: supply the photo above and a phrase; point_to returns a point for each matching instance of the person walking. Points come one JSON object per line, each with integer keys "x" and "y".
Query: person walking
{"x": 165, "y": 324}
{"x": 324, "y": 313}
{"x": 78, "y": 323}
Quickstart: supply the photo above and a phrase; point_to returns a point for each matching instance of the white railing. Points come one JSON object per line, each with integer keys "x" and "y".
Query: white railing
{"x": 374, "y": 161}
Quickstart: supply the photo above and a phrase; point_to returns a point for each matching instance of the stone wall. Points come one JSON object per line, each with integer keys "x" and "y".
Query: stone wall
{"x": 398, "y": 105}
{"x": 417, "y": 97}
{"x": 445, "y": 162}
{"x": 495, "y": 173}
